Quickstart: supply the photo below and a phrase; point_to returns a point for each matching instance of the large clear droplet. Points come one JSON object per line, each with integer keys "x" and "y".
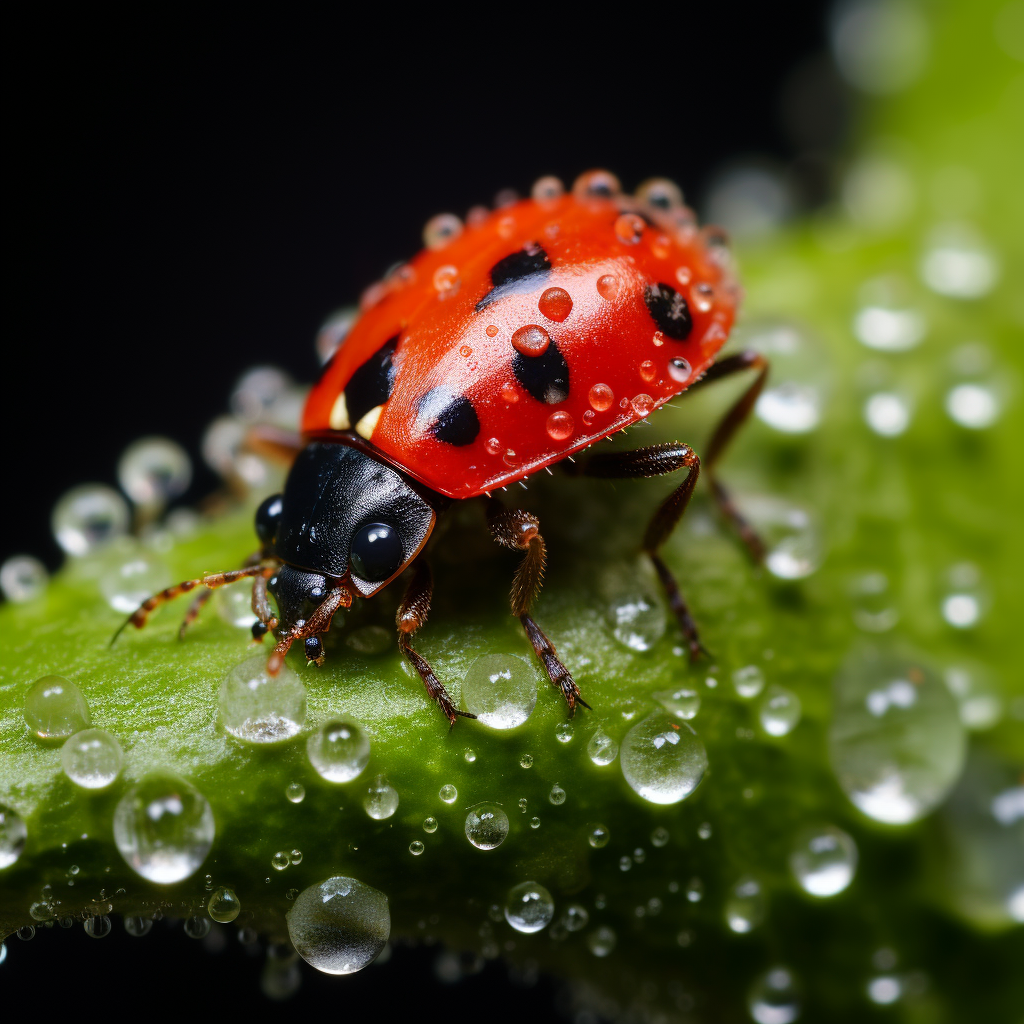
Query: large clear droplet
{"x": 486, "y": 826}
{"x": 634, "y": 608}
{"x": 748, "y": 681}
{"x": 529, "y": 907}
{"x": 745, "y": 907}
{"x": 774, "y": 998}
{"x": 13, "y": 834}
{"x": 662, "y": 759}
{"x": 55, "y": 708}
{"x": 381, "y": 800}
{"x": 22, "y": 578}
{"x": 223, "y": 906}
{"x": 88, "y": 517}
{"x": 896, "y": 742}
{"x": 153, "y": 471}
{"x": 683, "y": 703}
{"x": 257, "y": 707}
{"x": 164, "y": 828}
{"x": 92, "y": 758}
{"x": 339, "y": 750}
{"x": 340, "y": 925}
{"x": 501, "y": 690}
{"x": 823, "y": 860}
{"x": 602, "y": 749}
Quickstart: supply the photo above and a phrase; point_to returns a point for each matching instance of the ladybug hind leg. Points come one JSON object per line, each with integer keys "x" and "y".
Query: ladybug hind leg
{"x": 520, "y": 530}
{"x": 412, "y": 614}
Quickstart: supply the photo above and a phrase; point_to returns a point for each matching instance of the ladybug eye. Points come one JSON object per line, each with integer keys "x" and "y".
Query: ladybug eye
{"x": 268, "y": 515}
{"x": 376, "y": 552}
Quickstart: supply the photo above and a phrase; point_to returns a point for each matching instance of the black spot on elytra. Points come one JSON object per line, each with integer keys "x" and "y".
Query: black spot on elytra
{"x": 523, "y": 271}
{"x": 450, "y": 418}
{"x": 546, "y": 376}
{"x": 371, "y": 384}
{"x": 669, "y": 310}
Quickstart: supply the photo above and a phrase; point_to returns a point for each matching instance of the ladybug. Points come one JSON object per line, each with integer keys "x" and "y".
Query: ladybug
{"x": 508, "y": 344}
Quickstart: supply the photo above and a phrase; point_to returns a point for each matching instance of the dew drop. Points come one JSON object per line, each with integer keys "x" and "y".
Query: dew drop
{"x": 629, "y": 228}
{"x": 234, "y": 606}
{"x": 88, "y": 517}
{"x": 647, "y": 370}
{"x": 197, "y": 926}
{"x": 555, "y": 304}
{"x": 884, "y": 989}
{"x": 748, "y": 681}
{"x": 491, "y": 331}
{"x": 557, "y": 795}
{"x": 223, "y": 905}
{"x": 448, "y": 793}
{"x": 446, "y": 280}
{"x": 13, "y": 834}
{"x": 55, "y": 708}
{"x": 22, "y": 579}
{"x": 598, "y": 836}
{"x": 597, "y": 184}
{"x": 280, "y": 860}
{"x": 529, "y": 907}
{"x": 127, "y": 584}
{"x": 560, "y": 425}
{"x": 977, "y": 696}
{"x": 745, "y": 907}
{"x": 601, "y": 941}
{"x": 823, "y": 860}
{"x": 526, "y": 761}
{"x": 381, "y": 799}
{"x": 295, "y": 792}
{"x": 887, "y": 413}
{"x": 608, "y": 287}
{"x": 886, "y": 320}
{"x": 441, "y": 230}
{"x": 163, "y": 828}
{"x": 643, "y": 405}
{"x": 493, "y": 446}
{"x": 662, "y": 759}
{"x": 531, "y": 341}
{"x": 625, "y": 863}
{"x": 790, "y": 408}
{"x": 97, "y": 927}
{"x": 964, "y": 603}
{"x": 958, "y": 264}
{"x": 256, "y": 707}
{"x": 339, "y": 750}
{"x": 138, "y": 926}
{"x": 774, "y": 998}
{"x": 601, "y": 397}
{"x": 661, "y": 193}
{"x": 634, "y": 611}
{"x": 679, "y": 370}
{"x": 535, "y": 822}
{"x": 430, "y": 825}
{"x": 340, "y": 925}
{"x": 704, "y": 830}
{"x": 564, "y": 732}
{"x": 547, "y": 189}
{"x": 602, "y": 749}
{"x": 873, "y": 611}
{"x": 896, "y": 742}
{"x": 416, "y": 847}
{"x": 510, "y": 458}
{"x": 486, "y": 826}
{"x": 683, "y": 703}
{"x": 91, "y": 758}
{"x": 790, "y": 533}
{"x": 779, "y": 711}
{"x": 154, "y": 471}
{"x": 334, "y": 331}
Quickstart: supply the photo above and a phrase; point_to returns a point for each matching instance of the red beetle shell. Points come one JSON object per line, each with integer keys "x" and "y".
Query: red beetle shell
{"x": 436, "y": 348}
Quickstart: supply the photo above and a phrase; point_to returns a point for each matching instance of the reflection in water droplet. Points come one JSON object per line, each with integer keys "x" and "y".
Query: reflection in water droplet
{"x": 529, "y": 907}
{"x": 92, "y": 759}
{"x": 154, "y": 470}
{"x": 601, "y": 941}
{"x": 745, "y": 908}
{"x": 88, "y": 517}
{"x": 257, "y": 707}
{"x": 564, "y": 732}
{"x": 896, "y": 742}
{"x": 959, "y": 264}
{"x": 557, "y": 795}
{"x": 223, "y": 905}
{"x": 823, "y": 860}
{"x": 163, "y": 828}
{"x": 598, "y": 836}
{"x": 381, "y": 800}
{"x": 430, "y": 825}
{"x": 340, "y": 925}
{"x": 683, "y": 703}
{"x": 448, "y": 793}
{"x": 635, "y": 610}
{"x": 22, "y": 578}
{"x": 501, "y": 690}
{"x": 748, "y": 681}
{"x": 55, "y": 708}
{"x": 339, "y": 750}
{"x": 486, "y": 826}
{"x": 416, "y": 847}
{"x": 790, "y": 408}
{"x": 602, "y": 749}
{"x": 662, "y": 759}
{"x": 97, "y": 927}
{"x": 887, "y": 413}
{"x": 774, "y": 998}
{"x": 526, "y": 761}
{"x": 13, "y": 834}
{"x": 560, "y": 425}
{"x": 295, "y": 792}
{"x": 779, "y": 711}
{"x": 126, "y": 585}
{"x": 575, "y": 917}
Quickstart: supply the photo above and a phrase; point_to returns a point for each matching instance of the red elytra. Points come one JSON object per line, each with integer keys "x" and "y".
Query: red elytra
{"x": 452, "y": 327}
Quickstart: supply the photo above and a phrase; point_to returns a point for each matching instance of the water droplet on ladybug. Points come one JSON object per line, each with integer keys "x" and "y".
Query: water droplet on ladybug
{"x": 372, "y": 295}
{"x": 509, "y": 394}
{"x": 647, "y": 370}
{"x": 547, "y": 189}
{"x": 629, "y": 228}
{"x": 658, "y": 338}
{"x": 597, "y": 184}
{"x": 601, "y": 397}
{"x": 643, "y": 405}
{"x": 555, "y": 304}
{"x": 588, "y": 417}
{"x": 623, "y": 404}
{"x": 510, "y": 458}
{"x": 679, "y": 370}
{"x": 701, "y": 297}
{"x": 560, "y": 425}
{"x": 506, "y": 226}
{"x": 660, "y": 193}
{"x": 684, "y": 275}
{"x": 476, "y": 216}
{"x": 531, "y": 340}
{"x": 661, "y": 247}
{"x": 440, "y": 230}
{"x": 608, "y": 286}
{"x": 491, "y": 331}
{"x": 446, "y": 280}
{"x": 465, "y": 351}
{"x": 493, "y": 446}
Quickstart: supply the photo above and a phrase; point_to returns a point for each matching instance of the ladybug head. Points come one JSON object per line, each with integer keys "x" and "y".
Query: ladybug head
{"x": 344, "y": 516}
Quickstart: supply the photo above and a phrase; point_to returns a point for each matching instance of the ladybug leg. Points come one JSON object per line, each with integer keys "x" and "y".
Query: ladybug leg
{"x": 265, "y": 618}
{"x": 734, "y": 418}
{"x": 319, "y": 622}
{"x": 657, "y": 460}
{"x": 520, "y": 530}
{"x": 412, "y": 613}
{"x": 141, "y": 614}
{"x": 204, "y": 595}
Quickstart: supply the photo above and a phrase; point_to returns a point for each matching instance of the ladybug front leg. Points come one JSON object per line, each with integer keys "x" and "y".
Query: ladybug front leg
{"x": 308, "y": 629}
{"x": 520, "y": 530}
{"x": 657, "y": 460}
{"x": 412, "y": 613}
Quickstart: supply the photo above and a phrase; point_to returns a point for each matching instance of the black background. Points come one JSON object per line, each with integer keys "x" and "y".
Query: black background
{"x": 186, "y": 201}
